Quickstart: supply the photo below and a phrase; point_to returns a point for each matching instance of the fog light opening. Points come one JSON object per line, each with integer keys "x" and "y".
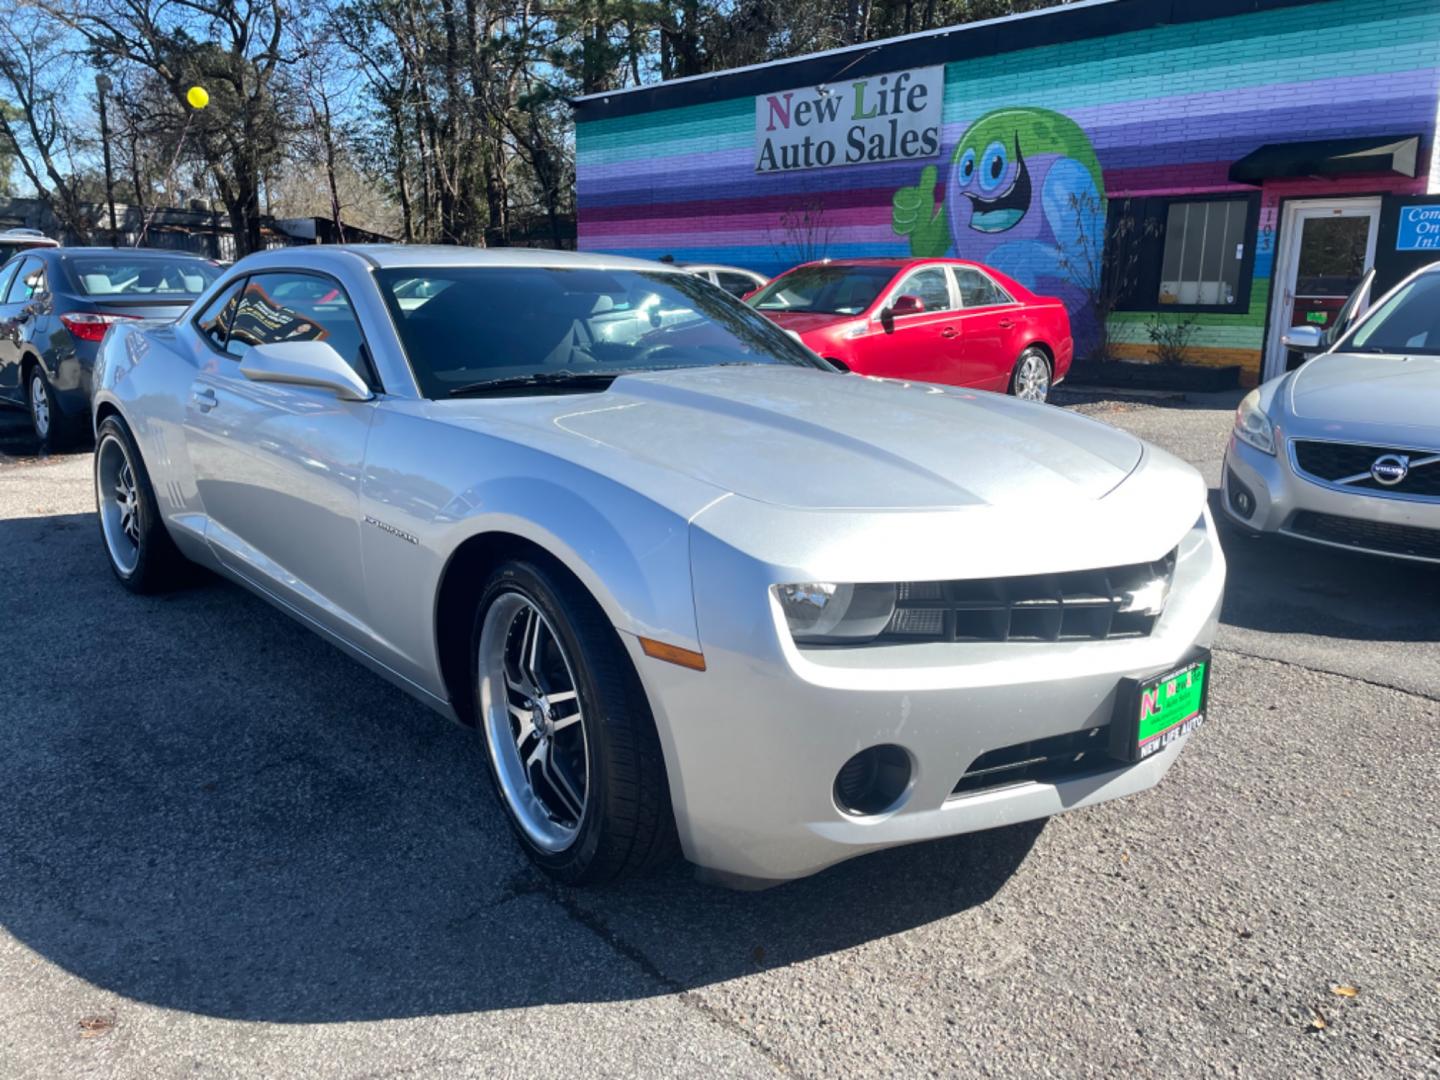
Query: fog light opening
{"x": 873, "y": 781}
{"x": 1242, "y": 499}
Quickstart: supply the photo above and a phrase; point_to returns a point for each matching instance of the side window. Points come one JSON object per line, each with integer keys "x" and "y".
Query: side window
{"x": 288, "y": 306}
{"x": 931, "y": 286}
{"x": 7, "y": 275}
{"x": 28, "y": 284}
{"x": 735, "y": 284}
{"x": 214, "y": 322}
{"x": 977, "y": 290}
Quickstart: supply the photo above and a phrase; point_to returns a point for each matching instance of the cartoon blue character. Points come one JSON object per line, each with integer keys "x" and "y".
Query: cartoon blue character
{"x": 1025, "y": 194}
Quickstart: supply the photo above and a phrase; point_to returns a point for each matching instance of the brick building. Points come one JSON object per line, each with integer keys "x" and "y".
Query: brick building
{"x": 1240, "y": 163}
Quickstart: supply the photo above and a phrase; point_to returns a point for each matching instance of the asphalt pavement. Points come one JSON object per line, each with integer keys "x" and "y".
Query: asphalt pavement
{"x": 228, "y": 851}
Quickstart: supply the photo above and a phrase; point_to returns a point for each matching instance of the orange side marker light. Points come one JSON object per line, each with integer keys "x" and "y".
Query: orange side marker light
{"x": 673, "y": 654}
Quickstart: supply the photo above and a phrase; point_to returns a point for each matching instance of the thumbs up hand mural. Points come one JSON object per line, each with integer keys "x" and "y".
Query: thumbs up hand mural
{"x": 916, "y": 215}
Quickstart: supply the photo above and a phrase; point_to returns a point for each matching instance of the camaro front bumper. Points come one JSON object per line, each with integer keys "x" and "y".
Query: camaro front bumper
{"x": 754, "y": 743}
{"x": 1288, "y": 504}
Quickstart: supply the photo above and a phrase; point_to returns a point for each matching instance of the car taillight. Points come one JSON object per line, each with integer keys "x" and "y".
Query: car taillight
{"x": 89, "y": 326}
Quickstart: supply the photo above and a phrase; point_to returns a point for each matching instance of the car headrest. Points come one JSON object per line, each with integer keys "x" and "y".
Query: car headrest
{"x": 97, "y": 284}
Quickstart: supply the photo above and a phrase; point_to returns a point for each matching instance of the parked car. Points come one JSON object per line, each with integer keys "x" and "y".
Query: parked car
{"x": 55, "y": 306}
{"x": 943, "y": 321}
{"x": 13, "y": 240}
{"x": 689, "y": 584}
{"x": 733, "y": 279}
{"x": 1345, "y": 450}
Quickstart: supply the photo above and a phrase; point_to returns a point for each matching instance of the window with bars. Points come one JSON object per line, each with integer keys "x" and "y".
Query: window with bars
{"x": 1191, "y": 254}
{"x": 1204, "y": 253}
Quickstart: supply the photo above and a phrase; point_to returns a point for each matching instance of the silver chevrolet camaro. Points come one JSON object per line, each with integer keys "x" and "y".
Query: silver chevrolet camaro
{"x": 1345, "y": 450}
{"x": 693, "y": 588}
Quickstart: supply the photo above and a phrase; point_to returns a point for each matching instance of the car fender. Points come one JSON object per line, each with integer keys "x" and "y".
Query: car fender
{"x": 430, "y": 489}
{"x": 31, "y": 356}
{"x": 632, "y": 555}
{"x": 59, "y": 359}
{"x": 138, "y": 364}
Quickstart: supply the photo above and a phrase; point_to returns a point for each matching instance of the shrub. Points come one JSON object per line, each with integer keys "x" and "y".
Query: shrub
{"x": 1171, "y": 337}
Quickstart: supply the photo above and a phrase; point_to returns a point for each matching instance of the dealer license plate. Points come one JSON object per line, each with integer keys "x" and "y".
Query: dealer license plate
{"x": 1152, "y": 713}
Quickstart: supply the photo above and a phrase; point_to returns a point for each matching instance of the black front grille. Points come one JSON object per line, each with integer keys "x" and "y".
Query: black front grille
{"x": 1336, "y": 461}
{"x": 1049, "y": 760}
{"x": 1369, "y": 535}
{"x": 1082, "y": 605}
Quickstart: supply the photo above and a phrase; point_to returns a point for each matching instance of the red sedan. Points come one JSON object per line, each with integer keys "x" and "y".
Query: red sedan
{"x": 927, "y": 320}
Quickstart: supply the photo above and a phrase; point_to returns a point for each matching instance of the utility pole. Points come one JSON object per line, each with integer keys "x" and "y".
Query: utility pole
{"x": 102, "y": 87}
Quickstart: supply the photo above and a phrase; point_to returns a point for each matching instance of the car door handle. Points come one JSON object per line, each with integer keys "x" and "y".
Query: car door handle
{"x": 1007, "y": 324}
{"x": 205, "y": 399}
{"x": 948, "y": 332}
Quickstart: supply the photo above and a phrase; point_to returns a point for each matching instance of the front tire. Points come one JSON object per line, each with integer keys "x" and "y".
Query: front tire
{"x": 1032, "y": 377}
{"x": 568, "y": 733}
{"x": 141, "y": 553}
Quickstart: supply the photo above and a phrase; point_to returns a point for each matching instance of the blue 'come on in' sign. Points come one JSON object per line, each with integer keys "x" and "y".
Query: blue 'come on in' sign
{"x": 1419, "y": 229}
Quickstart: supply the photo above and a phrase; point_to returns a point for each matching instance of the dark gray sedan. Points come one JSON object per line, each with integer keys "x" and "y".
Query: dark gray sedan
{"x": 55, "y": 306}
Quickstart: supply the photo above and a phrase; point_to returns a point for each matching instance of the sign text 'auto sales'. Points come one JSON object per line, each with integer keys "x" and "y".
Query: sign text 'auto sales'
{"x": 890, "y": 117}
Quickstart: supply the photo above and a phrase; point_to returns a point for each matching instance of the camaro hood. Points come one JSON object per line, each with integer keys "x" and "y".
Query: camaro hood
{"x": 813, "y": 440}
{"x": 1354, "y": 388}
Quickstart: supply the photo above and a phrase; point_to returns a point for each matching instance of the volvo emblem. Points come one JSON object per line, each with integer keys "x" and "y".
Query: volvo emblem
{"x": 1390, "y": 469}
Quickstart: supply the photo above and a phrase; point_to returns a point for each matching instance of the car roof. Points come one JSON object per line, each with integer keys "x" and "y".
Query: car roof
{"x": 129, "y": 252}
{"x": 894, "y": 261}
{"x": 430, "y": 256}
{"x": 693, "y": 266}
{"x": 27, "y": 236}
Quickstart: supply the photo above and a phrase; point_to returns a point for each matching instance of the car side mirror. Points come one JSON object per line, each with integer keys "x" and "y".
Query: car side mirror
{"x": 1303, "y": 338}
{"x": 907, "y": 304}
{"x": 305, "y": 363}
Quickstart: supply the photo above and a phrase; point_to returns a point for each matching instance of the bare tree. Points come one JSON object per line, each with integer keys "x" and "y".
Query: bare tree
{"x": 37, "y": 76}
{"x": 233, "y": 48}
{"x": 804, "y": 234}
{"x": 1102, "y": 263}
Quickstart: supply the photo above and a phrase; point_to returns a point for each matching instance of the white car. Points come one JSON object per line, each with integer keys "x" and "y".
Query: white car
{"x": 735, "y": 280}
{"x": 693, "y": 587}
{"x": 1345, "y": 450}
{"x": 13, "y": 240}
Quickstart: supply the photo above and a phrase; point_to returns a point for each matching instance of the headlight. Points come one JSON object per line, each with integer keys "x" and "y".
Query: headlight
{"x": 1253, "y": 426}
{"x": 821, "y": 611}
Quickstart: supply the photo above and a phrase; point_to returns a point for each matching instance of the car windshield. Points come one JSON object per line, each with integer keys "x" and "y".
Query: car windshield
{"x": 478, "y": 324}
{"x": 1406, "y": 324}
{"x": 116, "y": 275}
{"x": 824, "y": 290}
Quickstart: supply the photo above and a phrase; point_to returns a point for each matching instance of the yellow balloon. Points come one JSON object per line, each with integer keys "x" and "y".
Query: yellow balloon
{"x": 197, "y": 97}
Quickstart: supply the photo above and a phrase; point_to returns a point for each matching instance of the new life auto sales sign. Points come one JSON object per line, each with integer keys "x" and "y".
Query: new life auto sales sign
{"x": 892, "y": 117}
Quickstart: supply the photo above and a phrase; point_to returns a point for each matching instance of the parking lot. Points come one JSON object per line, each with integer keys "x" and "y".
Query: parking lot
{"x": 227, "y": 850}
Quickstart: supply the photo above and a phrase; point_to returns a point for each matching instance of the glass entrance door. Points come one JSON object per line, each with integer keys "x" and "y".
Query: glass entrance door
{"x": 1325, "y": 251}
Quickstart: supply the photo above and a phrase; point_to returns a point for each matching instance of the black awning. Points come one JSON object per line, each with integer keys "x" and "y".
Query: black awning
{"x": 1329, "y": 157}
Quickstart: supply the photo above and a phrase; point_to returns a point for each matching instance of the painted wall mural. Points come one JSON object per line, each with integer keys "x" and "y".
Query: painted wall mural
{"x": 1028, "y": 139}
{"x": 1024, "y": 193}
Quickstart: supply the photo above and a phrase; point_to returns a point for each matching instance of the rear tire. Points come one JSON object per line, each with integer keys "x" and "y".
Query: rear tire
{"x": 137, "y": 544}
{"x": 1032, "y": 377}
{"x": 567, "y": 729}
{"x": 52, "y": 428}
